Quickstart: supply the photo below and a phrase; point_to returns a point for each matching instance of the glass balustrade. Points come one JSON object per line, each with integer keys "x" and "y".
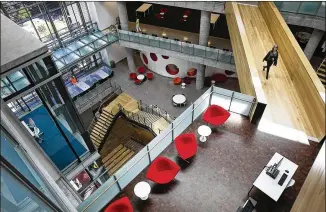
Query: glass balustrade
{"x": 305, "y": 8}
{"x": 178, "y": 46}
{"x": 232, "y": 101}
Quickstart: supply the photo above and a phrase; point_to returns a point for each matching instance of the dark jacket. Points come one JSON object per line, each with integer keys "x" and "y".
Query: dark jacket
{"x": 270, "y": 57}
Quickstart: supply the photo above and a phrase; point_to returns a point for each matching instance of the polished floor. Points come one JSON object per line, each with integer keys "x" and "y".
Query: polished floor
{"x": 223, "y": 170}
{"x": 160, "y": 90}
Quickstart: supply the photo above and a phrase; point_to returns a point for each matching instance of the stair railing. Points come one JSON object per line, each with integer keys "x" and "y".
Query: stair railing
{"x": 155, "y": 110}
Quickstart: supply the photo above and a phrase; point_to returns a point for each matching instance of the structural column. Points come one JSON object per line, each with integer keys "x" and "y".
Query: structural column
{"x": 203, "y": 41}
{"x": 123, "y": 15}
{"x": 313, "y": 43}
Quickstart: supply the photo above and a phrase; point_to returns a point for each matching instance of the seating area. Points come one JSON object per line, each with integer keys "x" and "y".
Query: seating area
{"x": 142, "y": 75}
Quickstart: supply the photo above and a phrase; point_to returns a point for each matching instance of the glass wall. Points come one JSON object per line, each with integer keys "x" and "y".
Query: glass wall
{"x": 47, "y": 112}
{"x": 50, "y": 22}
{"x": 16, "y": 157}
{"x": 305, "y": 8}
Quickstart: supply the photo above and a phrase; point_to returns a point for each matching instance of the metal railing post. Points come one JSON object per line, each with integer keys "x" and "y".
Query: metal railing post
{"x": 211, "y": 94}
{"x": 231, "y": 101}
{"x": 149, "y": 155}
{"x": 192, "y": 112}
{"x": 115, "y": 179}
{"x": 172, "y": 131}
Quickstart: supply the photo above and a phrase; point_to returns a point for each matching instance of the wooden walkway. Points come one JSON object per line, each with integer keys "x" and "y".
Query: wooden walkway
{"x": 284, "y": 106}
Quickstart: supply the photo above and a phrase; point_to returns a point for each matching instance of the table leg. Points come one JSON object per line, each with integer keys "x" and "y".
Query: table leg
{"x": 250, "y": 190}
{"x": 144, "y": 198}
{"x": 203, "y": 138}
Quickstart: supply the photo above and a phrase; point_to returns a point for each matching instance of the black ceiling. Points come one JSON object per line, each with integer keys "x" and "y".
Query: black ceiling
{"x": 172, "y": 19}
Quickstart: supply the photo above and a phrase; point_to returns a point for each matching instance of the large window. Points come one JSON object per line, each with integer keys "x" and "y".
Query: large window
{"x": 50, "y": 22}
{"x": 12, "y": 83}
{"x": 13, "y": 193}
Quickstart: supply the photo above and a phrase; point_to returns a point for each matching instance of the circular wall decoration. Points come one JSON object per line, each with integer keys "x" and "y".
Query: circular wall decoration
{"x": 227, "y": 72}
{"x": 172, "y": 69}
{"x": 165, "y": 57}
{"x": 192, "y": 72}
{"x": 153, "y": 56}
{"x": 144, "y": 58}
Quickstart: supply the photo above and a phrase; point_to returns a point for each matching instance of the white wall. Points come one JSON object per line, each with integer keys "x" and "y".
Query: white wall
{"x": 159, "y": 66}
{"x": 105, "y": 14}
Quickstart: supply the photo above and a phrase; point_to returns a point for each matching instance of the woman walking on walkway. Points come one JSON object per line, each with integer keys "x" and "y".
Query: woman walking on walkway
{"x": 271, "y": 58}
{"x": 137, "y": 25}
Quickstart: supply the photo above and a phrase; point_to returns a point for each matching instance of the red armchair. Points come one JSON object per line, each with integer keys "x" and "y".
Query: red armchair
{"x": 149, "y": 76}
{"x": 162, "y": 170}
{"x": 216, "y": 115}
{"x": 132, "y": 76}
{"x": 163, "y": 10}
{"x": 120, "y": 205}
{"x": 186, "y": 145}
{"x": 141, "y": 69}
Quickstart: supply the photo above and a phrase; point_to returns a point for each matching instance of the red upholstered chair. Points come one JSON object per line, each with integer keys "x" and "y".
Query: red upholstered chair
{"x": 120, "y": 205}
{"x": 162, "y": 170}
{"x": 158, "y": 16}
{"x": 177, "y": 81}
{"x": 141, "y": 69}
{"x": 163, "y": 10}
{"x": 216, "y": 115}
{"x": 132, "y": 76}
{"x": 219, "y": 77}
{"x": 149, "y": 76}
{"x": 186, "y": 145}
{"x": 137, "y": 81}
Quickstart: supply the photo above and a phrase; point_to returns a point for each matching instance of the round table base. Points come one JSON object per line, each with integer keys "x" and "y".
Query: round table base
{"x": 144, "y": 198}
{"x": 203, "y": 138}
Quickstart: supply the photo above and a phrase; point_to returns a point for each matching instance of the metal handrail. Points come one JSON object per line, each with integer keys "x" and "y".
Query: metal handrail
{"x": 173, "y": 127}
{"x": 298, "y": 8}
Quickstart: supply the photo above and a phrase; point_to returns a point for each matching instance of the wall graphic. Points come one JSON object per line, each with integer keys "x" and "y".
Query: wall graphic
{"x": 173, "y": 67}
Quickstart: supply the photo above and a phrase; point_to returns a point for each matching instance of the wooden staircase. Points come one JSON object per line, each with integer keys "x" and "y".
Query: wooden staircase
{"x": 117, "y": 157}
{"x": 106, "y": 118}
{"x": 321, "y": 72}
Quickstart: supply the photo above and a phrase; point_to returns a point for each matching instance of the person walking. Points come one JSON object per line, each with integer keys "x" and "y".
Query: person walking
{"x": 271, "y": 58}
{"x": 138, "y": 29}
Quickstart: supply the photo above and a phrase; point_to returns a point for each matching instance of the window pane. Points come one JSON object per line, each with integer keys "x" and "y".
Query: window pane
{"x": 15, "y": 76}
{"x": 290, "y": 6}
{"x": 15, "y": 156}
{"x": 309, "y": 8}
{"x": 20, "y": 84}
{"x": 15, "y": 196}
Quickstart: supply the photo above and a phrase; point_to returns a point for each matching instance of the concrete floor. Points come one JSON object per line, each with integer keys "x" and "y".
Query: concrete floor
{"x": 223, "y": 170}
{"x": 160, "y": 90}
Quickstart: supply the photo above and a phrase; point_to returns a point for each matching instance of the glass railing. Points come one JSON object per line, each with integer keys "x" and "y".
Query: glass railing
{"x": 83, "y": 47}
{"x": 231, "y": 101}
{"x": 305, "y": 8}
{"x": 178, "y": 46}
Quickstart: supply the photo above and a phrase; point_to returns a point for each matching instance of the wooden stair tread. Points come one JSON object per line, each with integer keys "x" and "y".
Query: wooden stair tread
{"x": 123, "y": 161}
{"x": 117, "y": 154}
{"x": 118, "y": 159}
{"x": 115, "y": 150}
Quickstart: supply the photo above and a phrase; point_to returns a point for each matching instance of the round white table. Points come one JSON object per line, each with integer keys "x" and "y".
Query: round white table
{"x": 204, "y": 131}
{"x": 179, "y": 99}
{"x": 141, "y": 77}
{"x": 183, "y": 85}
{"x": 142, "y": 190}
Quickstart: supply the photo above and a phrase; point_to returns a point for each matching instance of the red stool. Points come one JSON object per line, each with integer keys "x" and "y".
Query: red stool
{"x": 138, "y": 82}
{"x": 149, "y": 76}
{"x": 141, "y": 69}
{"x": 132, "y": 76}
{"x": 177, "y": 81}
